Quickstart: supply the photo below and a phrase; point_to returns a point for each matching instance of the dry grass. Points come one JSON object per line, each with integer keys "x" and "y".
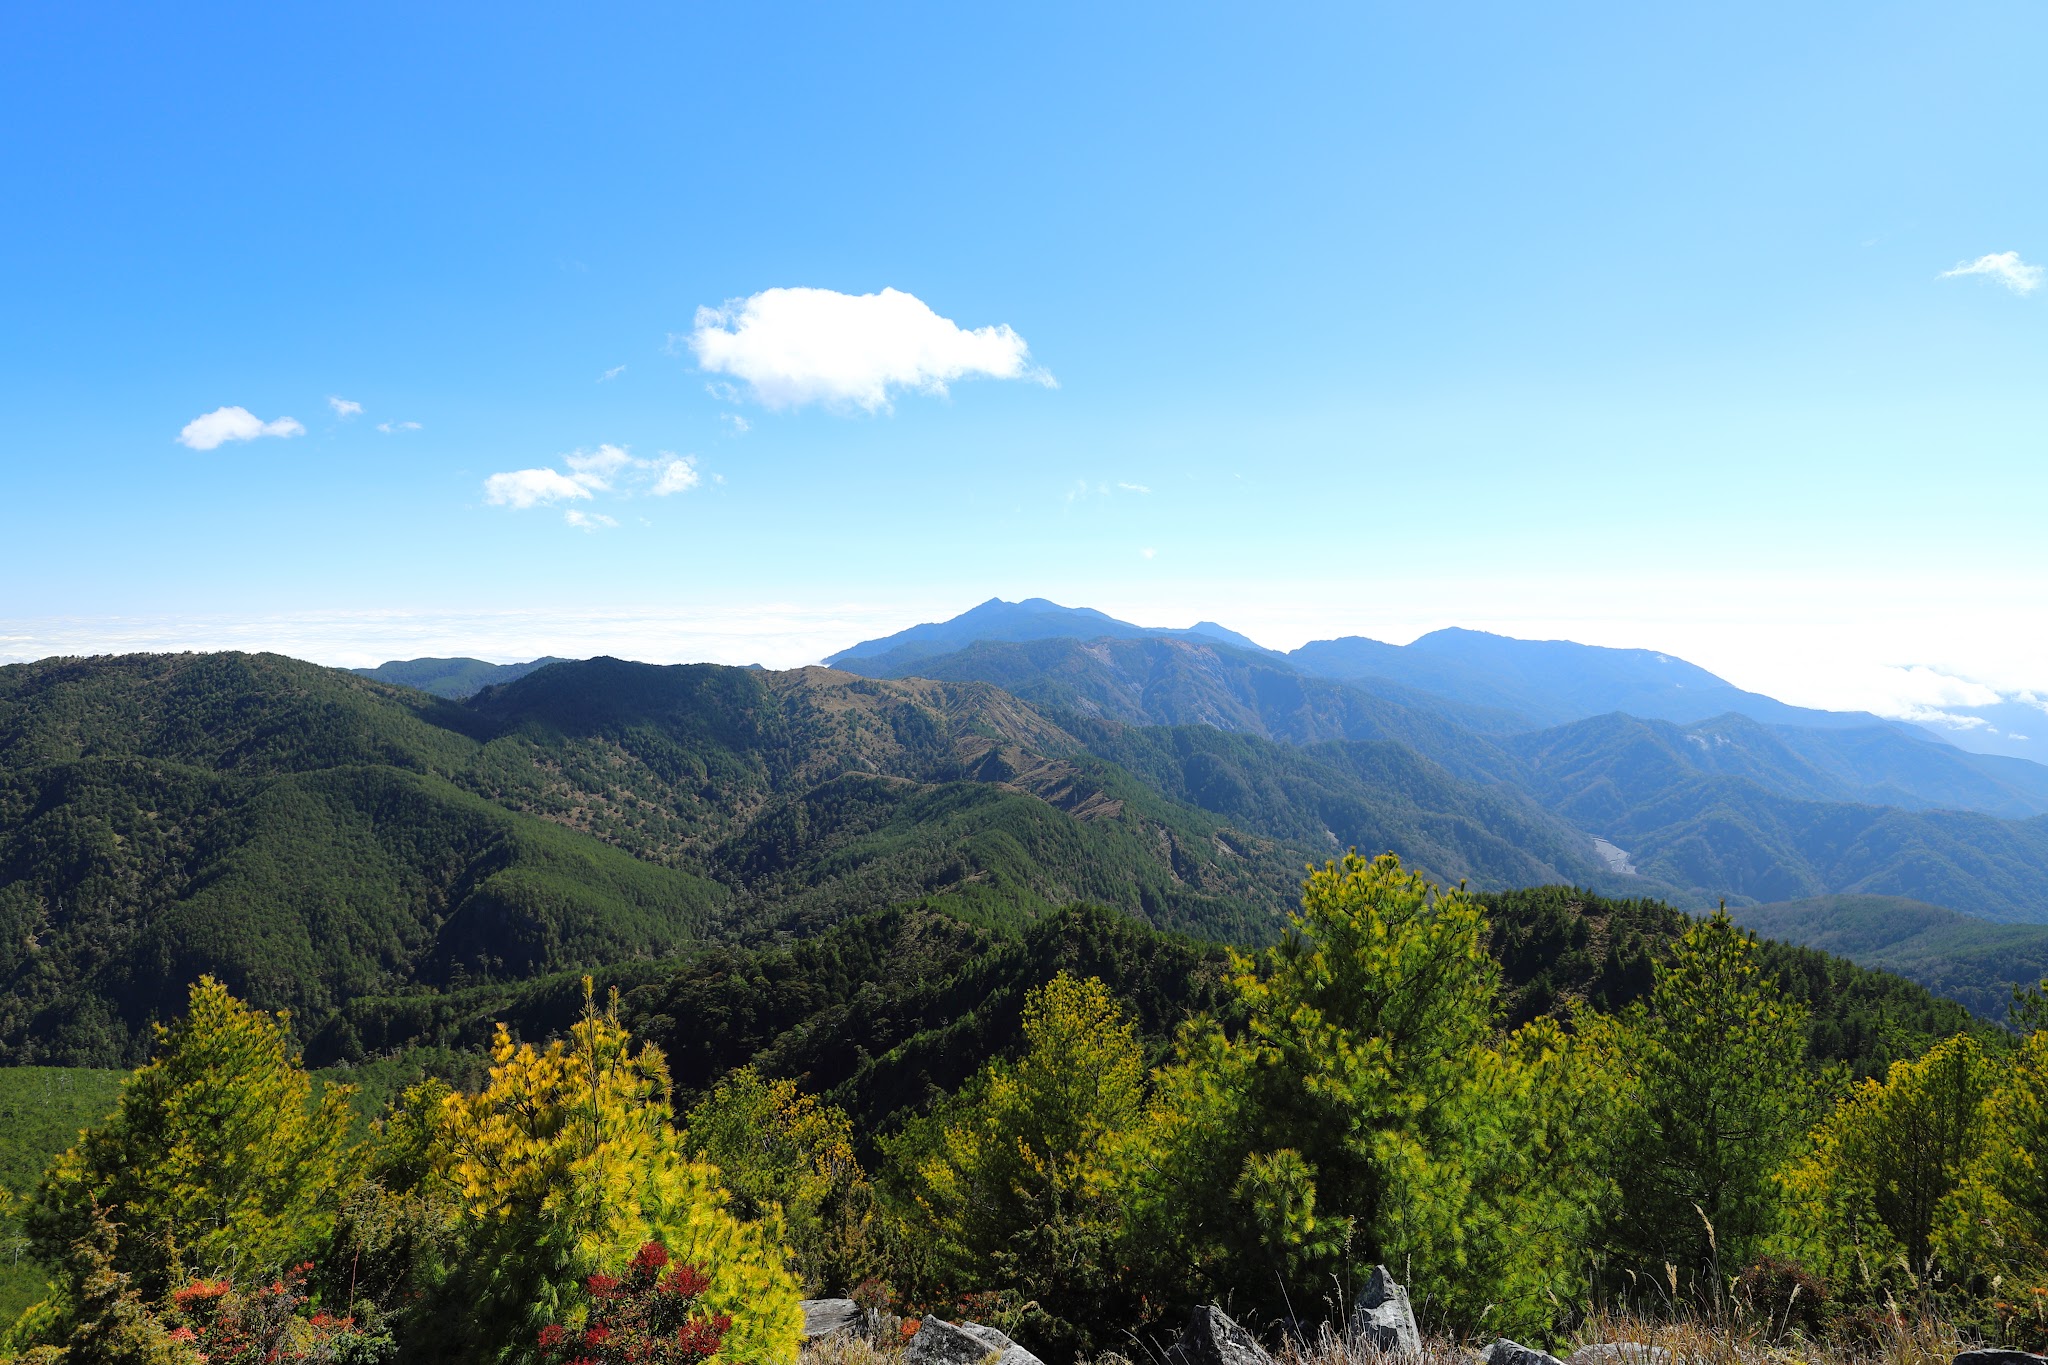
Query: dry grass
{"x": 1742, "y": 1339}
{"x": 1685, "y": 1340}
{"x": 884, "y": 1347}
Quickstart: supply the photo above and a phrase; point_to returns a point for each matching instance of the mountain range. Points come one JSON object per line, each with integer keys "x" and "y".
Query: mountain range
{"x": 321, "y": 837}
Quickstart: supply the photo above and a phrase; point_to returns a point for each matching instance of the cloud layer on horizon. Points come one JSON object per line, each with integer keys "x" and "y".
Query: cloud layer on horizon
{"x": 796, "y": 346}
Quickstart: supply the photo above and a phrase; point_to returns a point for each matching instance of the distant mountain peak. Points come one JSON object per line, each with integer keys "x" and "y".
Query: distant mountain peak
{"x": 1033, "y": 618}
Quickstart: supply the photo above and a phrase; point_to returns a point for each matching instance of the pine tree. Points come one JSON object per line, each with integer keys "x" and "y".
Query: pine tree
{"x": 219, "y": 1161}
{"x": 568, "y": 1162}
{"x": 1874, "y": 1185}
{"x": 1720, "y": 1091}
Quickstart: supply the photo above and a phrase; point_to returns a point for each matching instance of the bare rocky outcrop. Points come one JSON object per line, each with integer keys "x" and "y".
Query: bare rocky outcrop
{"x": 1211, "y": 1338}
{"x": 829, "y": 1317}
{"x": 1382, "y": 1317}
{"x": 939, "y": 1342}
{"x": 1505, "y": 1352}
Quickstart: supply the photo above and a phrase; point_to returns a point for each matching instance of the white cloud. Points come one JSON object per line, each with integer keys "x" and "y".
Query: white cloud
{"x": 1148, "y": 552}
{"x": 796, "y": 346}
{"x": 678, "y": 475}
{"x": 588, "y": 521}
{"x": 607, "y": 468}
{"x": 233, "y": 424}
{"x": 526, "y": 487}
{"x": 740, "y": 425}
{"x": 393, "y": 428}
{"x": 613, "y": 373}
{"x": 1134, "y": 488}
{"x": 344, "y": 408}
{"x": 2006, "y": 267}
{"x": 596, "y": 469}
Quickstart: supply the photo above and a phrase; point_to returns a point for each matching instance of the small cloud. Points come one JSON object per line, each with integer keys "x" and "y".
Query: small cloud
{"x": 1134, "y": 488}
{"x": 233, "y": 424}
{"x": 588, "y": 521}
{"x": 1148, "y": 552}
{"x": 797, "y": 346}
{"x": 608, "y": 468}
{"x": 740, "y": 425}
{"x": 595, "y": 469}
{"x": 678, "y": 475}
{"x": 613, "y": 373}
{"x": 344, "y": 408}
{"x": 527, "y": 487}
{"x": 2006, "y": 267}
{"x": 394, "y": 428}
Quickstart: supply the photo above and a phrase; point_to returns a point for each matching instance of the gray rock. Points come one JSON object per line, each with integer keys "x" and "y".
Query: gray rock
{"x": 1505, "y": 1352}
{"x": 824, "y": 1317}
{"x": 1006, "y": 1351}
{"x": 1619, "y": 1353}
{"x": 1211, "y": 1338}
{"x": 1991, "y": 1355}
{"x": 1382, "y": 1317}
{"x": 939, "y": 1342}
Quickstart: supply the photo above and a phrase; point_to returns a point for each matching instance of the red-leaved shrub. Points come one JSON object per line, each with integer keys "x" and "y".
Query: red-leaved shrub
{"x": 647, "y": 1316}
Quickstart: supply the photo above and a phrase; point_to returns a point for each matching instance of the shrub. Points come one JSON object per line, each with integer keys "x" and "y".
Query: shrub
{"x": 646, "y": 1316}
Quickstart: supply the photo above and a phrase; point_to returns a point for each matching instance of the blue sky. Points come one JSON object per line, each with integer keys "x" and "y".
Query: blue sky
{"x": 1618, "y": 323}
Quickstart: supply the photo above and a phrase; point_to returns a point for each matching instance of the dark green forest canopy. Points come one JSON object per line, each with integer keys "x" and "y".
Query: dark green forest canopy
{"x": 884, "y": 1012}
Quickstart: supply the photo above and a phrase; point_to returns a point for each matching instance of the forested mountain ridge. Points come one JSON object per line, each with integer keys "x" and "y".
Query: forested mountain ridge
{"x": 454, "y": 679}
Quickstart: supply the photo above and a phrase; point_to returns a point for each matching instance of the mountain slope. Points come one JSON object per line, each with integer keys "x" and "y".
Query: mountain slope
{"x": 312, "y": 836}
{"x": 1554, "y": 681}
{"x": 1959, "y": 956}
{"x": 1194, "y": 682}
{"x": 1870, "y": 765}
{"x": 1721, "y": 835}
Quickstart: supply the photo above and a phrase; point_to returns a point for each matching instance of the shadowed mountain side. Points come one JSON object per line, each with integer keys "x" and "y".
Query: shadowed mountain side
{"x": 1959, "y": 956}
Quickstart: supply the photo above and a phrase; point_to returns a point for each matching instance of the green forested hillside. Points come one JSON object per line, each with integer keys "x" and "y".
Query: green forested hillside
{"x": 1958, "y": 956}
{"x": 1727, "y": 833}
{"x": 312, "y": 837}
{"x": 42, "y": 1109}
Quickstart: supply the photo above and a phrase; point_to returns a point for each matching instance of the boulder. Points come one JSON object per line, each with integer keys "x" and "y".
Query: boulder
{"x": 1505, "y": 1352}
{"x": 1006, "y": 1351}
{"x": 939, "y": 1342}
{"x": 1619, "y": 1353}
{"x": 824, "y": 1317}
{"x": 1211, "y": 1338}
{"x": 1992, "y": 1355}
{"x": 1382, "y": 1317}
